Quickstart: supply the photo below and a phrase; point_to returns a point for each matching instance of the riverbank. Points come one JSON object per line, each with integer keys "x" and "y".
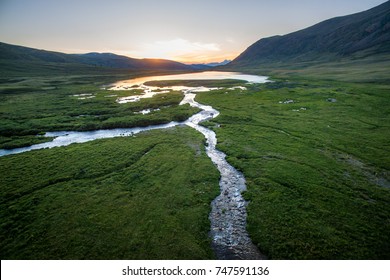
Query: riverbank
{"x": 62, "y": 104}
{"x": 228, "y": 217}
{"x": 314, "y": 155}
{"x": 141, "y": 197}
{"x": 315, "y": 158}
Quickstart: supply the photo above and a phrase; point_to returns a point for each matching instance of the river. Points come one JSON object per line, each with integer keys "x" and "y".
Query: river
{"x": 230, "y": 240}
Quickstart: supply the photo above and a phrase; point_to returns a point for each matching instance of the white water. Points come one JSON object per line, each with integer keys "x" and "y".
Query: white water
{"x": 230, "y": 239}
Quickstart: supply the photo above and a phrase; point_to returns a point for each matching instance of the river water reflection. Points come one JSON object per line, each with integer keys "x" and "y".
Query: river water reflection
{"x": 207, "y": 75}
{"x": 230, "y": 239}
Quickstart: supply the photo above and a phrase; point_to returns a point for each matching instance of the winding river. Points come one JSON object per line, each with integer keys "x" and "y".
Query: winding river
{"x": 230, "y": 239}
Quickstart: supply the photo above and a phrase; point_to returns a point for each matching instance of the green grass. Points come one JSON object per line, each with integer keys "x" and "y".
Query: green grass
{"x": 22, "y": 141}
{"x": 317, "y": 171}
{"x": 142, "y": 197}
{"x": 318, "y": 178}
{"x": 51, "y": 105}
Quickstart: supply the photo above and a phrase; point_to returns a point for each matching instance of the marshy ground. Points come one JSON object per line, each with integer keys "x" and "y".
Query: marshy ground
{"x": 317, "y": 178}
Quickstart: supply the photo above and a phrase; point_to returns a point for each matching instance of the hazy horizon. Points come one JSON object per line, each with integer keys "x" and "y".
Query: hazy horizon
{"x": 189, "y": 32}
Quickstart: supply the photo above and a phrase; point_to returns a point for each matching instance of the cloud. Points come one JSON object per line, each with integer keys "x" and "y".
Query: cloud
{"x": 230, "y": 40}
{"x": 177, "y": 49}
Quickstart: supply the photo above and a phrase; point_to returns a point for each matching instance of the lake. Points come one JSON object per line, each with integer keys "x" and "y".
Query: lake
{"x": 207, "y": 75}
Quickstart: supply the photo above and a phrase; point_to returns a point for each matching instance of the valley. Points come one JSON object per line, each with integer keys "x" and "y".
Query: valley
{"x": 281, "y": 153}
{"x": 228, "y": 217}
{"x": 290, "y": 216}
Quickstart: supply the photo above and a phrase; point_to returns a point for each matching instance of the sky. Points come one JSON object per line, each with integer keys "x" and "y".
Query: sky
{"x": 196, "y": 31}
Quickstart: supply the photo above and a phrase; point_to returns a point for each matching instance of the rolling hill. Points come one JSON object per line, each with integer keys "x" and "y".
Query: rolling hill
{"x": 19, "y": 59}
{"x": 355, "y": 36}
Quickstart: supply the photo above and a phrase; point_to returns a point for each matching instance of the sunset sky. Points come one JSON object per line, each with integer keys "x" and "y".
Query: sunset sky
{"x": 186, "y": 31}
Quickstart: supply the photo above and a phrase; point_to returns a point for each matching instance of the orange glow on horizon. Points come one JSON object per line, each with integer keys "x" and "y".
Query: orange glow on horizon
{"x": 182, "y": 50}
{"x": 200, "y": 60}
{"x": 178, "y": 49}
{"x": 189, "y": 59}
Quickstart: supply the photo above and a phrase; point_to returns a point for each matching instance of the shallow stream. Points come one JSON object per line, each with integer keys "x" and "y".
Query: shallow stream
{"x": 230, "y": 239}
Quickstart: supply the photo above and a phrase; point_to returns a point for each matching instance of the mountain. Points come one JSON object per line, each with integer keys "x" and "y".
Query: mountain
{"x": 206, "y": 66}
{"x": 123, "y": 62}
{"x": 19, "y": 59}
{"x": 214, "y": 64}
{"x": 365, "y": 33}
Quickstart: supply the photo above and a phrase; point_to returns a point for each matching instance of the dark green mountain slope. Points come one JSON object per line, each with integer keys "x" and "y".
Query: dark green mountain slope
{"x": 18, "y": 59}
{"x": 123, "y": 62}
{"x": 366, "y": 33}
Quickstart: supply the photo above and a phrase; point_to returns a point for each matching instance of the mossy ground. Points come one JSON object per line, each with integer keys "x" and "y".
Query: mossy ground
{"x": 317, "y": 171}
{"x": 26, "y": 112}
{"x": 316, "y": 159}
{"x": 142, "y": 197}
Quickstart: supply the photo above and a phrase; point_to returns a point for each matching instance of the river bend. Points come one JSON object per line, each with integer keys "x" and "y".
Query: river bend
{"x": 230, "y": 239}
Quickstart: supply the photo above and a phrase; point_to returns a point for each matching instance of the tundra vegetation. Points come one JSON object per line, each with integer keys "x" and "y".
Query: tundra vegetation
{"x": 313, "y": 146}
{"x": 314, "y": 153}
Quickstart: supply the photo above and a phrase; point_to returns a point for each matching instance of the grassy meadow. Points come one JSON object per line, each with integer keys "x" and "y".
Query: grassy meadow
{"x": 314, "y": 152}
{"x": 315, "y": 155}
{"x": 31, "y": 106}
{"x": 141, "y": 197}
